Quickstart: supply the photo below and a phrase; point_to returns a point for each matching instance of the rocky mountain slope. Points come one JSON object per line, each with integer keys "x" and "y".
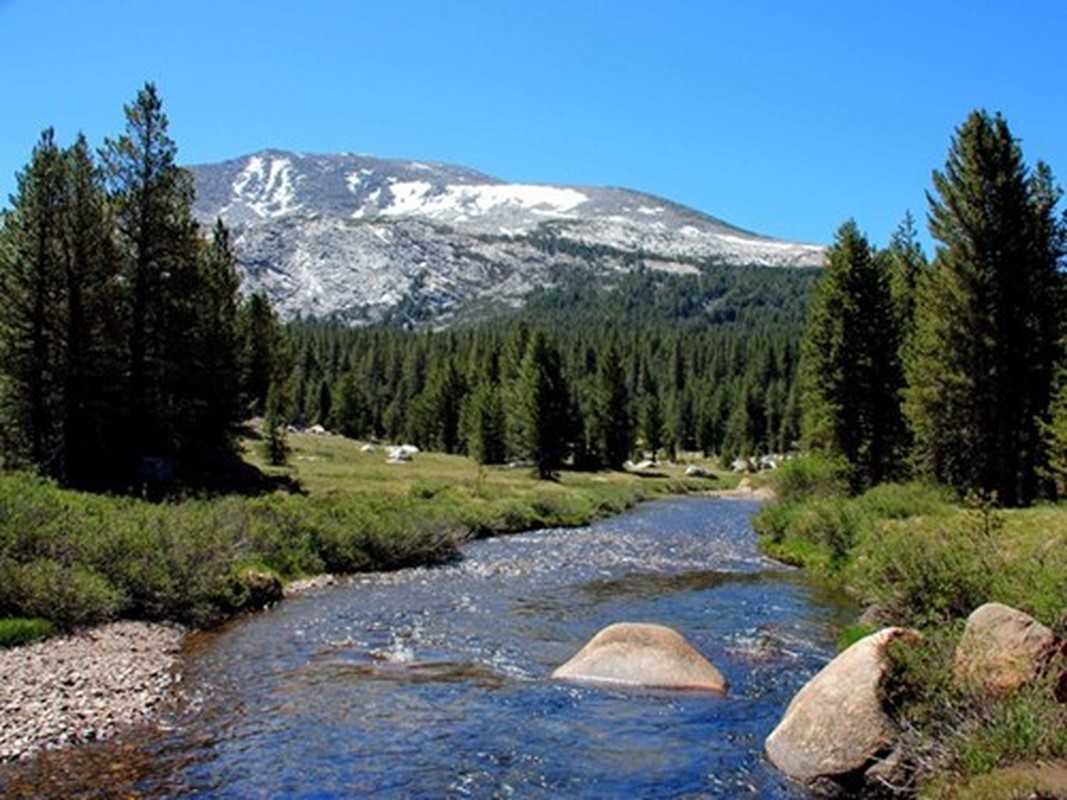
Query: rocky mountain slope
{"x": 362, "y": 239}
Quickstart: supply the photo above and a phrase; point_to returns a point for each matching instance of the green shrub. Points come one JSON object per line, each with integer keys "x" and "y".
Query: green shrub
{"x": 819, "y": 533}
{"x": 18, "y": 631}
{"x": 252, "y": 587}
{"x": 905, "y": 500}
{"x": 68, "y": 595}
{"x": 928, "y": 575}
{"x": 810, "y": 476}
{"x": 426, "y": 489}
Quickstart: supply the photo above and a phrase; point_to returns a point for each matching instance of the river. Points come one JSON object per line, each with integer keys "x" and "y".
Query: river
{"x": 435, "y": 682}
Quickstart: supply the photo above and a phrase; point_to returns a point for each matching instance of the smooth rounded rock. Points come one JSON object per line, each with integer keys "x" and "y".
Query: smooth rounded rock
{"x": 1002, "y": 649}
{"x": 643, "y": 654}
{"x": 835, "y": 727}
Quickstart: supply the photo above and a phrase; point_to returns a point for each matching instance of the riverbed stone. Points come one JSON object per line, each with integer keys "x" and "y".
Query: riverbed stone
{"x": 835, "y": 729}
{"x": 643, "y": 654}
{"x": 1002, "y": 649}
{"x": 87, "y": 686}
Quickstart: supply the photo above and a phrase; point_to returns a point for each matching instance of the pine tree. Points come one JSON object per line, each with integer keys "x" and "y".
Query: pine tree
{"x": 544, "y": 426}
{"x": 215, "y": 389}
{"x": 486, "y": 424}
{"x": 351, "y": 411}
{"x": 259, "y": 333}
{"x": 96, "y": 354}
{"x": 982, "y": 355}
{"x": 852, "y": 376}
{"x": 905, "y": 262}
{"x": 437, "y": 414}
{"x": 615, "y": 424}
{"x": 152, "y": 198}
{"x": 652, "y": 424}
{"x": 33, "y": 310}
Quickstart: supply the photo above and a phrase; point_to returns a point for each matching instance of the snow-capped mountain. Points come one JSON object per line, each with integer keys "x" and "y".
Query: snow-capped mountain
{"x": 358, "y": 238}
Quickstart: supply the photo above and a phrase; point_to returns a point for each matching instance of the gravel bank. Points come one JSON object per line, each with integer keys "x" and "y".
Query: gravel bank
{"x": 84, "y": 687}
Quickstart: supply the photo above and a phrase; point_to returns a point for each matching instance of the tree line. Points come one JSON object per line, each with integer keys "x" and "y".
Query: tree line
{"x": 588, "y": 395}
{"x": 126, "y": 354}
{"x": 952, "y": 368}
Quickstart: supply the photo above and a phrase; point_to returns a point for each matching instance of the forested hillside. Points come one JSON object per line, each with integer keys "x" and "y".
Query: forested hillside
{"x": 656, "y": 363}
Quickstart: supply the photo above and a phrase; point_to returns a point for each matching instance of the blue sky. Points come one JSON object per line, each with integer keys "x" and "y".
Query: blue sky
{"x": 782, "y": 117}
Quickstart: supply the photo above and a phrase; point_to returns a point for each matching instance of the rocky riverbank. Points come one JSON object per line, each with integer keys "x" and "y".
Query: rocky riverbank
{"x": 86, "y": 686}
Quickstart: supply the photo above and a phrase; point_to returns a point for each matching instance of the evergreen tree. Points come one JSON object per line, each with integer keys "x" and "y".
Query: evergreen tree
{"x": 33, "y": 298}
{"x": 351, "y": 413}
{"x": 906, "y": 262}
{"x": 96, "y": 348}
{"x": 437, "y": 414}
{"x": 275, "y": 440}
{"x": 216, "y": 387}
{"x": 543, "y": 423}
{"x": 852, "y": 376}
{"x": 652, "y": 424}
{"x": 160, "y": 252}
{"x": 486, "y": 424}
{"x": 615, "y": 423}
{"x": 982, "y": 356}
{"x": 260, "y": 334}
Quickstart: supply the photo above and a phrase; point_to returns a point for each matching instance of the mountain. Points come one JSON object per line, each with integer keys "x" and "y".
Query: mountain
{"x": 364, "y": 239}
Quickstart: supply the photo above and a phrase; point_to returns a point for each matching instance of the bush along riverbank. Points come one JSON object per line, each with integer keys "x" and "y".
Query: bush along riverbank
{"x": 70, "y": 559}
{"x": 924, "y": 563}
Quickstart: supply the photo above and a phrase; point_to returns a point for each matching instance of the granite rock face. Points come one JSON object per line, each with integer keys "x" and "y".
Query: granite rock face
{"x": 364, "y": 239}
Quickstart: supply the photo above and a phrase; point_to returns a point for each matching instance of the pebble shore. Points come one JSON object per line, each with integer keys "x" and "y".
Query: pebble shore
{"x": 86, "y": 686}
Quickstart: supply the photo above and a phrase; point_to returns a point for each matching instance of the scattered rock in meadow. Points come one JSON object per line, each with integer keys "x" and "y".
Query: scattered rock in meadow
{"x": 1002, "y": 649}
{"x": 643, "y": 654}
{"x": 693, "y": 471}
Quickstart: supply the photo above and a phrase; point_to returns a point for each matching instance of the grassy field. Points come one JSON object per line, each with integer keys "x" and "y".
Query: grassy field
{"x": 497, "y": 498}
{"x": 69, "y": 559}
{"x": 927, "y": 561}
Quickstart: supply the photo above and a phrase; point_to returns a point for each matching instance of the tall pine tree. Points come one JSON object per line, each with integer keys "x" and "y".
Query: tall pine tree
{"x": 33, "y": 302}
{"x": 982, "y": 357}
{"x": 543, "y": 422}
{"x": 152, "y": 198}
{"x": 851, "y": 377}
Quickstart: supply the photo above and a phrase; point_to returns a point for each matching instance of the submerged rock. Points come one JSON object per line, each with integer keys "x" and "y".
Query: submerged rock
{"x": 643, "y": 654}
{"x": 835, "y": 728}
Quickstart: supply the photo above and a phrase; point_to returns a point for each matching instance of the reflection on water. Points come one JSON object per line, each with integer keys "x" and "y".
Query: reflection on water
{"x": 435, "y": 682}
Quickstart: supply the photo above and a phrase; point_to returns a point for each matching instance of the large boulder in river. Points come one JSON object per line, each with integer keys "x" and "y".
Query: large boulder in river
{"x": 1002, "y": 649}
{"x": 835, "y": 729}
{"x": 643, "y": 654}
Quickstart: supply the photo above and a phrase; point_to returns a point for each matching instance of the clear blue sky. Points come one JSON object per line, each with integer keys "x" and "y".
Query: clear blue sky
{"x": 783, "y": 117}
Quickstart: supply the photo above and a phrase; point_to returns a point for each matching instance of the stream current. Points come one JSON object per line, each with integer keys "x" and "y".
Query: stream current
{"x": 436, "y": 682}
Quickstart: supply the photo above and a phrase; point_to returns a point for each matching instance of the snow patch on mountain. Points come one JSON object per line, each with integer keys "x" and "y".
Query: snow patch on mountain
{"x": 464, "y": 202}
{"x": 266, "y": 187}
